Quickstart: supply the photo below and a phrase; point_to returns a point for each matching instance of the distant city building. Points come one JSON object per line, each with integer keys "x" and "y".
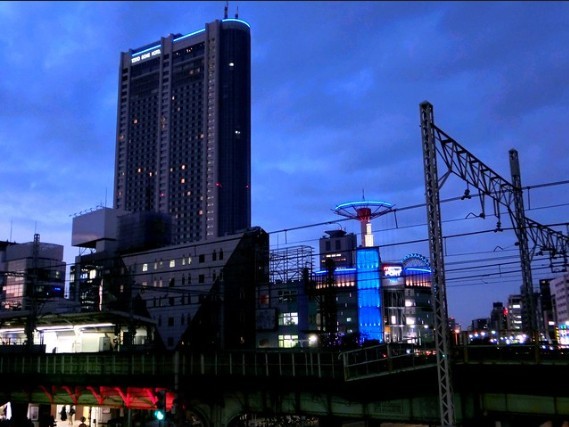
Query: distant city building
{"x": 419, "y": 316}
{"x": 352, "y": 298}
{"x": 396, "y": 313}
{"x": 546, "y": 311}
{"x": 141, "y": 231}
{"x": 559, "y": 287}
{"x": 369, "y": 299}
{"x": 339, "y": 247}
{"x": 178, "y": 247}
{"x": 498, "y": 318}
{"x": 97, "y": 272}
{"x": 514, "y": 316}
{"x": 32, "y": 286}
{"x": 200, "y": 295}
{"x": 184, "y": 131}
{"x": 527, "y": 302}
{"x": 33, "y": 276}
{"x": 286, "y": 313}
{"x": 480, "y": 324}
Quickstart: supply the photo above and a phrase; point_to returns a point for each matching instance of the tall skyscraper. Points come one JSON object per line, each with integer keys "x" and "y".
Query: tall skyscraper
{"x": 184, "y": 131}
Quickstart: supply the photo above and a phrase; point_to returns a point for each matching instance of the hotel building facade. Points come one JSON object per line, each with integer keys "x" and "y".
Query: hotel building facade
{"x": 184, "y": 131}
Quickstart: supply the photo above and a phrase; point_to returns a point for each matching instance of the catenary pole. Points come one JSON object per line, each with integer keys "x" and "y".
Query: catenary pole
{"x": 442, "y": 342}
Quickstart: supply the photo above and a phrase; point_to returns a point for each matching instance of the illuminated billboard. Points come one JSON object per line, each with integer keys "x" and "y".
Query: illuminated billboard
{"x": 392, "y": 274}
{"x": 563, "y": 334}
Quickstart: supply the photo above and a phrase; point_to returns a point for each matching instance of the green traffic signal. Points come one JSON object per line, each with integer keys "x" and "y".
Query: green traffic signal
{"x": 159, "y": 414}
{"x": 160, "y": 404}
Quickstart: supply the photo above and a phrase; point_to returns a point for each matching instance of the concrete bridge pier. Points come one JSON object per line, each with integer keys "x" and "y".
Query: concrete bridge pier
{"x": 216, "y": 412}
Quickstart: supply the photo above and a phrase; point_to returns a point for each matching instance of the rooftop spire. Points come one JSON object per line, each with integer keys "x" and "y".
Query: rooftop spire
{"x": 225, "y": 11}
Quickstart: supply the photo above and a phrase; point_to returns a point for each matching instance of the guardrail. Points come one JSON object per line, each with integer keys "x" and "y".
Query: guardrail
{"x": 384, "y": 359}
{"x": 389, "y": 358}
{"x": 515, "y": 353}
{"x": 271, "y": 363}
{"x": 348, "y": 365}
{"x": 86, "y": 364}
{"x": 238, "y": 363}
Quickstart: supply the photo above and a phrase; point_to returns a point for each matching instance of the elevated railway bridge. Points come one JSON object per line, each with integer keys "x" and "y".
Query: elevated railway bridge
{"x": 493, "y": 386}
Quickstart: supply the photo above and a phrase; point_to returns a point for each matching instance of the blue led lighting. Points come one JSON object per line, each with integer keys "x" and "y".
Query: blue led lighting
{"x": 133, "y": 54}
{"x": 136, "y": 53}
{"x": 417, "y": 269}
{"x": 188, "y": 35}
{"x": 416, "y": 256}
{"x": 337, "y": 271}
{"x": 236, "y": 20}
{"x": 364, "y": 203}
{"x": 369, "y": 293}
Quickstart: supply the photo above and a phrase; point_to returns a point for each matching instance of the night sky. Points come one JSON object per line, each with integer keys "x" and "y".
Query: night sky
{"x": 336, "y": 88}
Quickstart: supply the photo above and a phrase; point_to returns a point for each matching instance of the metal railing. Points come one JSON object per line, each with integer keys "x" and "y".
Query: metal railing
{"x": 384, "y": 359}
{"x": 86, "y": 364}
{"x": 238, "y": 363}
{"x": 344, "y": 366}
{"x": 269, "y": 363}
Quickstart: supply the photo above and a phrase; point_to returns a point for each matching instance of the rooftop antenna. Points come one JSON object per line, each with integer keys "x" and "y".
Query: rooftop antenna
{"x": 225, "y": 11}
{"x": 237, "y": 13}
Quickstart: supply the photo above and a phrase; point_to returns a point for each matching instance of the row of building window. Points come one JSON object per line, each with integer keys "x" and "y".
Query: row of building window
{"x": 159, "y": 264}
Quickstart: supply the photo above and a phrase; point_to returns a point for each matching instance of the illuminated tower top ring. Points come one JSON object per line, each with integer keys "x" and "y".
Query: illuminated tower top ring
{"x": 364, "y": 211}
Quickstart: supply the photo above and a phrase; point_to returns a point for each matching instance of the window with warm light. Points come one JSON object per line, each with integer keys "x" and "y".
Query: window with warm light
{"x": 288, "y": 341}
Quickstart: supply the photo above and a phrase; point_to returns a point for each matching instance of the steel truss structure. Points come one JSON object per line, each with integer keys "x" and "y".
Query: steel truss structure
{"x": 466, "y": 166}
{"x": 287, "y": 264}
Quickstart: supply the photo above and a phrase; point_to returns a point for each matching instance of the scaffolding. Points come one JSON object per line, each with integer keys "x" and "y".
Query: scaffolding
{"x": 287, "y": 264}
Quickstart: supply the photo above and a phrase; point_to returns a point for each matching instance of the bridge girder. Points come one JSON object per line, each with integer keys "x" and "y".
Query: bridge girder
{"x": 111, "y": 396}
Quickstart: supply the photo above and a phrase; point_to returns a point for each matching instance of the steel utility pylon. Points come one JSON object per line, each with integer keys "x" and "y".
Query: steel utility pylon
{"x": 463, "y": 164}
{"x": 442, "y": 342}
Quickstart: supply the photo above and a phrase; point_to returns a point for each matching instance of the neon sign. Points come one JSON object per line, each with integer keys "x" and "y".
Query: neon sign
{"x": 392, "y": 270}
{"x": 145, "y": 55}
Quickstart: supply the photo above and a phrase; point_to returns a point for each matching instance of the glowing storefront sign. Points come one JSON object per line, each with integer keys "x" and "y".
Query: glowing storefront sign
{"x": 392, "y": 270}
{"x": 563, "y": 334}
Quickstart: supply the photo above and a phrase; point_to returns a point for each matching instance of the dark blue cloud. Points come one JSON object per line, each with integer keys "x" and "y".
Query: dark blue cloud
{"x": 336, "y": 93}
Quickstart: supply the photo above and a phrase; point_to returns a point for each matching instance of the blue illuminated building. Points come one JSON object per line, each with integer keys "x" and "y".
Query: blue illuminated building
{"x": 369, "y": 294}
{"x": 372, "y": 300}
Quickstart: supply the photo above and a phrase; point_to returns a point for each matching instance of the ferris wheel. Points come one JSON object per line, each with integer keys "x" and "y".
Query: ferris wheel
{"x": 415, "y": 260}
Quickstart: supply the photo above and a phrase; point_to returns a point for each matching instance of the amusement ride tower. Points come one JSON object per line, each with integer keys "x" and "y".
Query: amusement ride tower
{"x": 368, "y": 263}
{"x": 364, "y": 211}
